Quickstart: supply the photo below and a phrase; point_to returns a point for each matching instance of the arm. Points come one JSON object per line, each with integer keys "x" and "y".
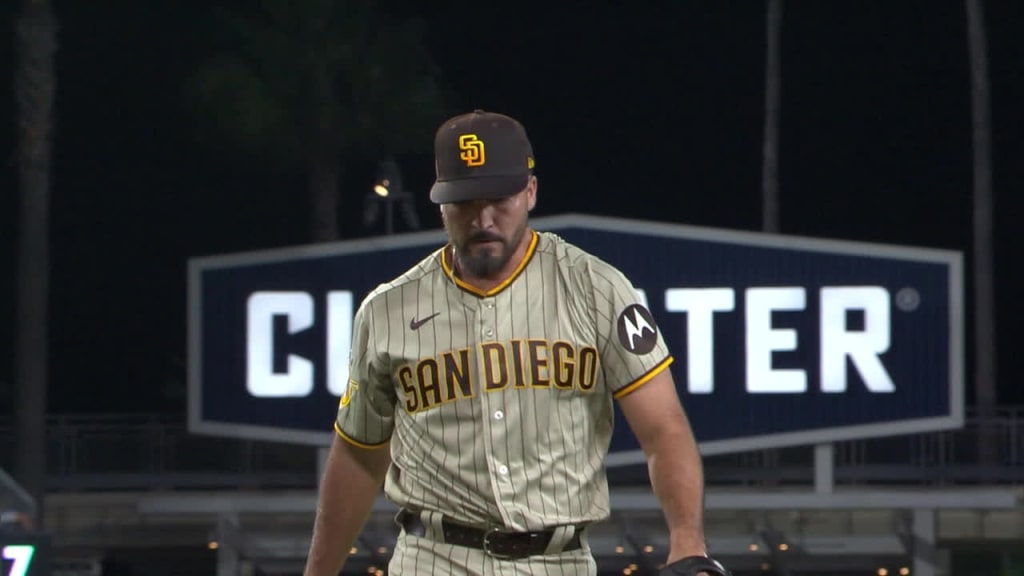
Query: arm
{"x": 351, "y": 481}
{"x": 677, "y": 476}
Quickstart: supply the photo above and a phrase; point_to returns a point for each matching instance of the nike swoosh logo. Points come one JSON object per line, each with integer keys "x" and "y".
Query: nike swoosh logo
{"x": 415, "y": 324}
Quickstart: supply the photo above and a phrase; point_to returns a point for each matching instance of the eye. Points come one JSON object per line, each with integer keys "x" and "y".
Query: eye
{"x": 460, "y": 206}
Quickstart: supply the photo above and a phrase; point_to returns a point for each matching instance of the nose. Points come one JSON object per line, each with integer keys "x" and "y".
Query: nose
{"x": 485, "y": 216}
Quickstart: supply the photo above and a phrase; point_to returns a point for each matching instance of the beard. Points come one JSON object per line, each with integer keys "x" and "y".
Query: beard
{"x": 486, "y": 261}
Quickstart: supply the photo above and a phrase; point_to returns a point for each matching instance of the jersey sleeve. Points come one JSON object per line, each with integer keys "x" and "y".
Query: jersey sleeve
{"x": 633, "y": 349}
{"x": 366, "y": 409}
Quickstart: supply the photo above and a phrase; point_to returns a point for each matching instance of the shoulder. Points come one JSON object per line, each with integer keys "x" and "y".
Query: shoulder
{"x": 422, "y": 270}
{"x": 567, "y": 254}
{"x": 579, "y": 265}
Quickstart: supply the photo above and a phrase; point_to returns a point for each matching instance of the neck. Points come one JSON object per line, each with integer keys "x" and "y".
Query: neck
{"x": 488, "y": 283}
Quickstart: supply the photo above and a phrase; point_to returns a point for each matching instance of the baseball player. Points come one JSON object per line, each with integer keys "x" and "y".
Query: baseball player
{"x": 483, "y": 385}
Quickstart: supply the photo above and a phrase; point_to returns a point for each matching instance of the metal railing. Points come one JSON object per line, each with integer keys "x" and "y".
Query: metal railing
{"x": 145, "y": 452}
{"x": 141, "y": 452}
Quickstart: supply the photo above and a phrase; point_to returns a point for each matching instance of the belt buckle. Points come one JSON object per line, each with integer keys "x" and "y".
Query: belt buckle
{"x": 487, "y": 547}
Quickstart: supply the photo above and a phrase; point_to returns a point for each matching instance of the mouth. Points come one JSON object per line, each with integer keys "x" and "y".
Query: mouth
{"x": 484, "y": 241}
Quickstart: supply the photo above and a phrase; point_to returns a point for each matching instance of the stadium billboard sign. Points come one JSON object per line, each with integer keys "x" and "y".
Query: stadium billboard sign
{"x": 779, "y": 340}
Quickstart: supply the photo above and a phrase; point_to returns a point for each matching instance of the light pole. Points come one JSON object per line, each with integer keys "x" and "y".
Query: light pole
{"x": 388, "y": 191}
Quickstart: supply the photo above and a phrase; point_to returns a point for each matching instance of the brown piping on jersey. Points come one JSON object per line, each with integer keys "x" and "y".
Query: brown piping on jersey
{"x": 622, "y": 392}
{"x": 449, "y": 271}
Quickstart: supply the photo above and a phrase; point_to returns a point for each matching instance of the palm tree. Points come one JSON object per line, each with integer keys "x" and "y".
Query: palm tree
{"x": 984, "y": 293}
{"x": 309, "y": 82}
{"x": 34, "y": 95}
{"x": 772, "y": 89}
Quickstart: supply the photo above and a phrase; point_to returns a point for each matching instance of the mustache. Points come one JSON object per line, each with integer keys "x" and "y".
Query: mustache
{"x": 484, "y": 237}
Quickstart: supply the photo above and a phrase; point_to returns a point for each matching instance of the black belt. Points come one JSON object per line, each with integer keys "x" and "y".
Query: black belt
{"x": 495, "y": 542}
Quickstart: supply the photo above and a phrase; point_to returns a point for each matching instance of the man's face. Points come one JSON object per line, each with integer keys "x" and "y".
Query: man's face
{"x": 485, "y": 233}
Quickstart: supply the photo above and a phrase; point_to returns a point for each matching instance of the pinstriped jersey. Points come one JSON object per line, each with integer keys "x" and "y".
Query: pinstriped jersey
{"x": 499, "y": 405}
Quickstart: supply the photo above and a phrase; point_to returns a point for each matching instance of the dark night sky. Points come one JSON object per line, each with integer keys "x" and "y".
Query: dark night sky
{"x": 658, "y": 108}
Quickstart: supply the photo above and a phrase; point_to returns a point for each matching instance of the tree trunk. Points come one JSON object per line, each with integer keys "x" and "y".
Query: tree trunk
{"x": 984, "y": 293}
{"x": 34, "y": 91}
{"x": 323, "y": 195}
{"x": 772, "y": 89}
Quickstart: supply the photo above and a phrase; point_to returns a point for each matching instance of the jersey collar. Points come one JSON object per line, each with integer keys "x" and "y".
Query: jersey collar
{"x": 449, "y": 270}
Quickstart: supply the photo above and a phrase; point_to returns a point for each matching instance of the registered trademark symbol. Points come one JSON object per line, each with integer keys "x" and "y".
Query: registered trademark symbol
{"x": 908, "y": 299}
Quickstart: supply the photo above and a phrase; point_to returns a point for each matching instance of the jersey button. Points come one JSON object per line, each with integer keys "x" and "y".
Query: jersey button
{"x": 503, "y": 470}
{"x": 488, "y": 332}
{"x": 499, "y": 415}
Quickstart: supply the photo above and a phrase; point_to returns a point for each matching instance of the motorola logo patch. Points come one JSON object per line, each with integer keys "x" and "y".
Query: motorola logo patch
{"x": 637, "y": 331}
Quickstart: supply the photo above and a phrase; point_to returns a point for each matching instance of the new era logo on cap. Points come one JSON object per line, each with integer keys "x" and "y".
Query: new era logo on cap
{"x": 480, "y": 155}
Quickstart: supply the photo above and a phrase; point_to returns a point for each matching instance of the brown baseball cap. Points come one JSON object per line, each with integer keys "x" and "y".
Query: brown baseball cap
{"x": 480, "y": 155}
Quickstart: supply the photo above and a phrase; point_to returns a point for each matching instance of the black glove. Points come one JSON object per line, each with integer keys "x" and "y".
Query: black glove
{"x": 694, "y": 565}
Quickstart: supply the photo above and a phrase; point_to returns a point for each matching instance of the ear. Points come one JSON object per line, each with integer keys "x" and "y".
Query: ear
{"x": 531, "y": 193}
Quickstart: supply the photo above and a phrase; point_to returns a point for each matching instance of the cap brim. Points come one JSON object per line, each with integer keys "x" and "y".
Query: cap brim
{"x": 480, "y": 188}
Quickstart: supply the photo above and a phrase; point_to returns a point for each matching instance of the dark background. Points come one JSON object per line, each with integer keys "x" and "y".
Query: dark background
{"x": 647, "y": 110}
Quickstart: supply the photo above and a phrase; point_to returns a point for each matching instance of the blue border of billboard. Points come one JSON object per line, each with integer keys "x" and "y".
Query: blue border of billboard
{"x": 942, "y": 408}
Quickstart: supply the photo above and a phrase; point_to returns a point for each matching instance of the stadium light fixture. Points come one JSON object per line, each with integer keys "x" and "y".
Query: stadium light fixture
{"x": 387, "y": 193}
